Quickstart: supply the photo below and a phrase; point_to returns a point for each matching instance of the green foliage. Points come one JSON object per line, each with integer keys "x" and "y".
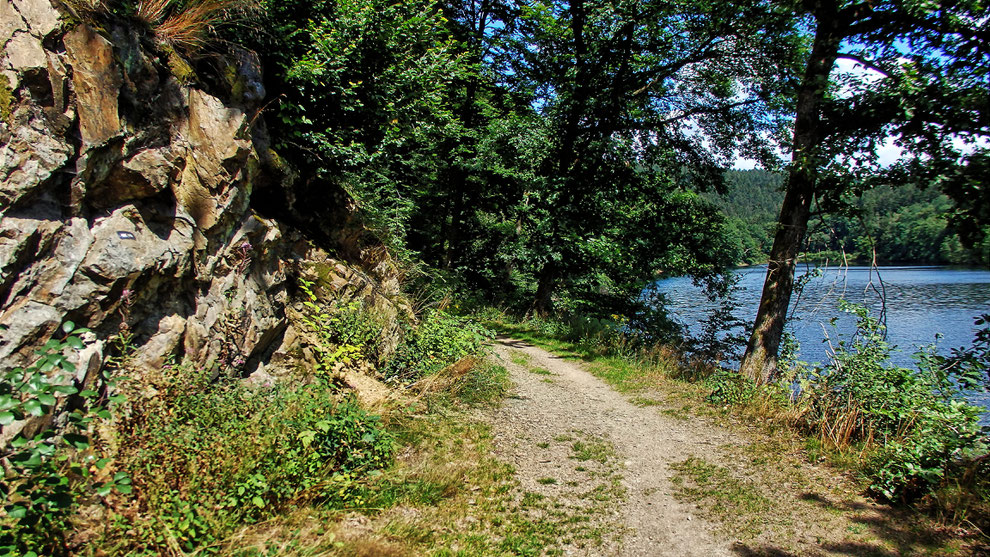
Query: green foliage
{"x": 720, "y": 338}
{"x": 460, "y": 131}
{"x": 437, "y": 341}
{"x": 750, "y": 205}
{"x": 650, "y": 322}
{"x": 208, "y": 457}
{"x": 917, "y": 418}
{"x": 972, "y": 364}
{"x": 345, "y": 333}
{"x": 47, "y": 474}
{"x": 361, "y": 88}
{"x": 906, "y": 224}
{"x": 729, "y": 387}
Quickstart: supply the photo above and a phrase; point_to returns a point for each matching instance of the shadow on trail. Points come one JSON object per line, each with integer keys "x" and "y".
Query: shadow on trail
{"x": 761, "y": 551}
{"x": 512, "y": 343}
{"x": 551, "y": 353}
{"x": 893, "y": 529}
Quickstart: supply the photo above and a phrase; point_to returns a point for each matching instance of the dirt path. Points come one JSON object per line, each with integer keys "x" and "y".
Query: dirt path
{"x": 560, "y": 413}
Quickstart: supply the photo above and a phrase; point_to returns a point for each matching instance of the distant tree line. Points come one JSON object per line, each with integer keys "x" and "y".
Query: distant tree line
{"x": 906, "y": 224}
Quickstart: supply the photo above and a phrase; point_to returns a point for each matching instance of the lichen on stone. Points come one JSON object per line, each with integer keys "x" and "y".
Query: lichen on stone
{"x": 180, "y": 68}
{"x": 6, "y": 99}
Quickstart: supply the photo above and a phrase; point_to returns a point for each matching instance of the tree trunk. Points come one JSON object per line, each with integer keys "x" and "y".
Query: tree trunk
{"x": 453, "y": 229}
{"x": 760, "y": 361}
{"x": 561, "y": 165}
{"x": 546, "y": 282}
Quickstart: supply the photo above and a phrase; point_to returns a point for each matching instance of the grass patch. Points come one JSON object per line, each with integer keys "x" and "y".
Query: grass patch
{"x": 734, "y": 502}
{"x": 682, "y": 414}
{"x": 520, "y": 358}
{"x": 644, "y": 402}
{"x": 486, "y": 383}
{"x": 592, "y": 450}
{"x": 541, "y": 371}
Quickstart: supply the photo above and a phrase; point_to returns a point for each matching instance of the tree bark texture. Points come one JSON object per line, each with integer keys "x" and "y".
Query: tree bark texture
{"x": 562, "y": 164}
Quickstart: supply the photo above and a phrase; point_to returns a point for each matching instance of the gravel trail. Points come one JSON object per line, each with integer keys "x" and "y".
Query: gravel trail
{"x": 555, "y": 399}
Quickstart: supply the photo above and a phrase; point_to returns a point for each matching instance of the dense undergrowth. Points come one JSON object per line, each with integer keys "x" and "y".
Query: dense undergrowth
{"x": 908, "y": 433}
{"x": 184, "y": 458}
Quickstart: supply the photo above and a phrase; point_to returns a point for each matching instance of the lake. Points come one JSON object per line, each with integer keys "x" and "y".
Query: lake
{"x": 921, "y": 302}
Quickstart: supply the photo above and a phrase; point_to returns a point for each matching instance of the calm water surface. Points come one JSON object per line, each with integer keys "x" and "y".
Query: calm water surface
{"x": 921, "y": 303}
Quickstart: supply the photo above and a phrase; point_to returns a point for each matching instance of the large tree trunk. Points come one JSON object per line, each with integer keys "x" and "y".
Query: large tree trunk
{"x": 760, "y": 361}
{"x": 561, "y": 164}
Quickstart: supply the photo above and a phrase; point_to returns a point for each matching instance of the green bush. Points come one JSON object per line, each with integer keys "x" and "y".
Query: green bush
{"x": 438, "y": 341}
{"x": 209, "y": 457}
{"x": 729, "y": 387}
{"x": 345, "y": 332}
{"x": 47, "y": 474}
{"x": 917, "y": 419}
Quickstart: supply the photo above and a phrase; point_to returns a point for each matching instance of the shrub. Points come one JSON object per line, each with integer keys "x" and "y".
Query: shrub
{"x": 345, "y": 332}
{"x": 916, "y": 418}
{"x": 729, "y": 387}
{"x": 209, "y": 457}
{"x": 48, "y": 473}
{"x": 438, "y": 341}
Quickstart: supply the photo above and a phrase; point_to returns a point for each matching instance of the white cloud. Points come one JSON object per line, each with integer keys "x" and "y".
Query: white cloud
{"x": 743, "y": 164}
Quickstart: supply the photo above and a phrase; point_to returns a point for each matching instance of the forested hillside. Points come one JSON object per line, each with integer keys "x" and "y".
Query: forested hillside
{"x": 907, "y": 225}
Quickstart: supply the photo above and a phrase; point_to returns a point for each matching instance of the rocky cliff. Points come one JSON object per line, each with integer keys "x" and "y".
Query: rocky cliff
{"x": 125, "y": 203}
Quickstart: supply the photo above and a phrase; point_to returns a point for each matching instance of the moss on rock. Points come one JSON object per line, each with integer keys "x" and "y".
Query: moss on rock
{"x": 6, "y": 99}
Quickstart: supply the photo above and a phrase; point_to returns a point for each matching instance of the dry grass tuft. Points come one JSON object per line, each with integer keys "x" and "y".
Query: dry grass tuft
{"x": 187, "y": 26}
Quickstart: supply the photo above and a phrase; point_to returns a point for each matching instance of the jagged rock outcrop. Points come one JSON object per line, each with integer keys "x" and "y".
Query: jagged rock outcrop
{"x": 125, "y": 202}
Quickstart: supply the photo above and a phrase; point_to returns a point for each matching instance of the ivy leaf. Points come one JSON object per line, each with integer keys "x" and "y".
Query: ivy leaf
{"x": 34, "y": 407}
{"x": 79, "y": 442}
{"x": 7, "y": 418}
{"x": 258, "y": 502}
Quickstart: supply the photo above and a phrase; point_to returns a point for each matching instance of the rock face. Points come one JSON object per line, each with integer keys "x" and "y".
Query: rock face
{"x": 125, "y": 202}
